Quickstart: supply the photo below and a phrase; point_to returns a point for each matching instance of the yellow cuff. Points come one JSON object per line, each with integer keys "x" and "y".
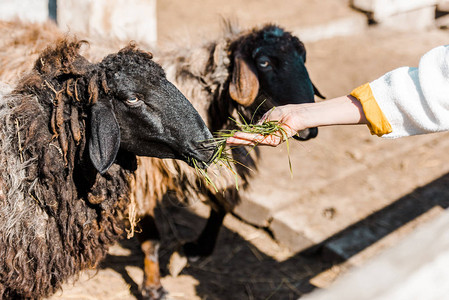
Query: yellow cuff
{"x": 377, "y": 122}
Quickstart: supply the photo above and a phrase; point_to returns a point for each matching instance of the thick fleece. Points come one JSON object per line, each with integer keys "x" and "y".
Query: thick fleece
{"x": 409, "y": 101}
{"x": 48, "y": 232}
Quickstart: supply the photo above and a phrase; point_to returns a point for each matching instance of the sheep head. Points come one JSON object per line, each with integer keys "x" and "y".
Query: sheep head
{"x": 140, "y": 111}
{"x": 126, "y": 102}
{"x": 269, "y": 65}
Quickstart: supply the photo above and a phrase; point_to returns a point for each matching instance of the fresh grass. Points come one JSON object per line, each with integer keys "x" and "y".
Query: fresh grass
{"x": 223, "y": 156}
{"x": 265, "y": 129}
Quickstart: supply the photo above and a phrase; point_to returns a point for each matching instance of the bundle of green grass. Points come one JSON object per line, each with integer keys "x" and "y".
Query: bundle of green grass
{"x": 223, "y": 158}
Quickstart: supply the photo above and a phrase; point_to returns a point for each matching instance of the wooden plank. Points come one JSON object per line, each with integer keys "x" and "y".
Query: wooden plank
{"x": 417, "y": 268}
{"x": 120, "y": 19}
{"x": 382, "y": 9}
{"x": 26, "y": 10}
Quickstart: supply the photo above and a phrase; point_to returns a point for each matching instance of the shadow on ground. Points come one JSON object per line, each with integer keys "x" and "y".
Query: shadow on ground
{"x": 238, "y": 270}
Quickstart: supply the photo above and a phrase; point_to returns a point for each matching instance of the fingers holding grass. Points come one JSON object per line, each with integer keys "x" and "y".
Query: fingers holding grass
{"x": 253, "y": 139}
{"x": 271, "y": 133}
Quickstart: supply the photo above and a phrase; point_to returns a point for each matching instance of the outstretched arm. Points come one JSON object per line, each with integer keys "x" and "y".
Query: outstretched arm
{"x": 295, "y": 117}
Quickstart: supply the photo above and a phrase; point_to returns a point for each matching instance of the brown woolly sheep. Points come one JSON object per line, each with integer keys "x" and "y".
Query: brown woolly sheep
{"x": 230, "y": 76}
{"x": 240, "y": 75}
{"x": 70, "y": 133}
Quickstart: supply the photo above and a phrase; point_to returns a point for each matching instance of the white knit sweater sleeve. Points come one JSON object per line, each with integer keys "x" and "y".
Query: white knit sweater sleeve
{"x": 416, "y": 100}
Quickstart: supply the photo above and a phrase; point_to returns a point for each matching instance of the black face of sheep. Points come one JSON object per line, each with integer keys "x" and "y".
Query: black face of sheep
{"x": 269, "y": 65}
{"x": 143, "y": 113}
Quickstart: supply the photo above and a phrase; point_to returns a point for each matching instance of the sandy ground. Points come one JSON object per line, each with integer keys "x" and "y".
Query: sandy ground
{"x": 248, "y": 263}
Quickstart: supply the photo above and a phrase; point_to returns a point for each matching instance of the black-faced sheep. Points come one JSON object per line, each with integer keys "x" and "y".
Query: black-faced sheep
{"x": 70, "y": 132}
{"x": 241, "y": 75}
{"x": 227, "y": 77}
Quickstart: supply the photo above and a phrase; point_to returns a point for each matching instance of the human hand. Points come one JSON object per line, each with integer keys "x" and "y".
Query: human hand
{"x": 289, "y": 119}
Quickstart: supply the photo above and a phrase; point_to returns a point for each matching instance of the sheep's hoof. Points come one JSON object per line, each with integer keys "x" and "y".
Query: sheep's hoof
{"x": 151, "y": 293}
{"x": 194, "y": 251}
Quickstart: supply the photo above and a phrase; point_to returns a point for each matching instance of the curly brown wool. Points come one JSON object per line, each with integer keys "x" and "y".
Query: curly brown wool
{"x": 50, "y": 231}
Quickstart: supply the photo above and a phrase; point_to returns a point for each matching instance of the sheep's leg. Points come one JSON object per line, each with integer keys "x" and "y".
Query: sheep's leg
{"x": 149, "y": 242}
{"x": 205, "y": 244}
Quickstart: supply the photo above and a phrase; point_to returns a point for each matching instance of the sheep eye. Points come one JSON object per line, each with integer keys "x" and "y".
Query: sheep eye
{"x": 264, "y": 64}
{"x": 132, "y": 100}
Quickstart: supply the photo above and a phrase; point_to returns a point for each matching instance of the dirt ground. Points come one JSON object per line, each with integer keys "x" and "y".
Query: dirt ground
{"x": 248, "y": 263}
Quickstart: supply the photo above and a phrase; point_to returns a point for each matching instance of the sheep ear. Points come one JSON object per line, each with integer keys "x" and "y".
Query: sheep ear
{"x": 244, "y": 85}
{"x": 104, "y": 141}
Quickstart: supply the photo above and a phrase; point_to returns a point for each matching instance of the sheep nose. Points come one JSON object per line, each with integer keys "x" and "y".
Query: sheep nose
{"x": 206, "y": 152}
